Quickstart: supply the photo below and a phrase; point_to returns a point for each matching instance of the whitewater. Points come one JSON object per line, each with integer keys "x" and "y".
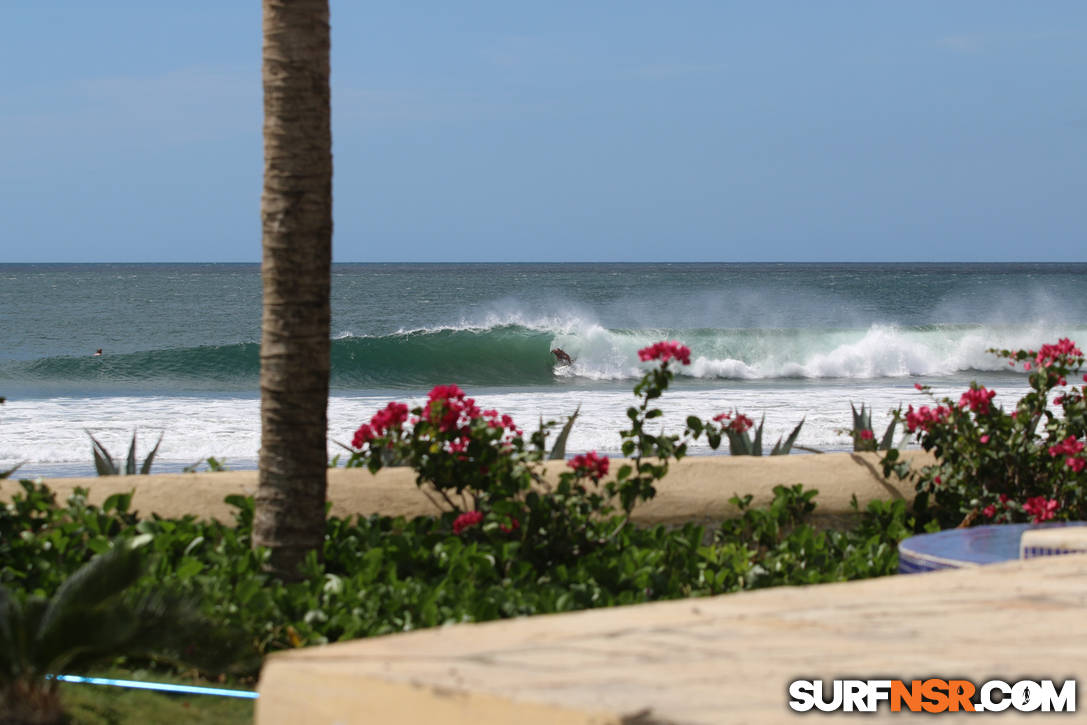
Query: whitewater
{"x": 788, "y": 342}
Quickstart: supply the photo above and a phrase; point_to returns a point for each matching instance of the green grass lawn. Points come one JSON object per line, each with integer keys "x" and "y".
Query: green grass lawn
{"x": 105, "y": 705}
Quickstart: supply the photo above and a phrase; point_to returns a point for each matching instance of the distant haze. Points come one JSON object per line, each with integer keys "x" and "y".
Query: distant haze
{"x": 561, "y": 131}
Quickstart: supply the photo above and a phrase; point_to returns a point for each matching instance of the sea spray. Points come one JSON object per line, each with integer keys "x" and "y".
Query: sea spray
{"x": 791, "y": 340}
{"x": 515, "y": 355}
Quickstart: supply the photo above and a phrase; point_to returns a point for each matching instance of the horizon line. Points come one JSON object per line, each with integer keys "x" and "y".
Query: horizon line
{"x": 572, "y": 262}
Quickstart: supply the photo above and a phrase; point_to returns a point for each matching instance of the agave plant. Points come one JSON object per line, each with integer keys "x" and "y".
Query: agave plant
{"x": 106, "y": 466}
{"x": 558, "y": 452}
{"x": 741, "y": 444}
{"x": 90, "y": 620}
{"x": 864, "y": 437}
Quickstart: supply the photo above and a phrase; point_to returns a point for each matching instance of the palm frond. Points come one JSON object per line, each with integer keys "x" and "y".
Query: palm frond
{"x": 102, "y": 578}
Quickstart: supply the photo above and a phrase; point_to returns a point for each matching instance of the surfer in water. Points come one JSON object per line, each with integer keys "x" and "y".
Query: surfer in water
{"x": 97, "y": 353}
{"x": 562, "y": 357}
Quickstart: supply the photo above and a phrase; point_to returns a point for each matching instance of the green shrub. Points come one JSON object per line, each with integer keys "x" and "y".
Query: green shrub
{"x": 383, "y": 575}
{"x": 505, "y": 541}
{"x": 993, "y": 465}
{"x": 89, "y": 620}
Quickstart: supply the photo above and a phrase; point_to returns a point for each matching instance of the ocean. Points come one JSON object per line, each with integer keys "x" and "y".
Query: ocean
{"x": 789, "y": 341}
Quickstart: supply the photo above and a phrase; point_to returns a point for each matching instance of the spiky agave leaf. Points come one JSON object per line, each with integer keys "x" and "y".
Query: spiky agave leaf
{"x": 739, "y": 444}
{"x": 887, "y": 442}
{"x": 130, "y": 460}
{"x": 782, "y": 450}
{"x": 103, "y": 461}
{"x": 558, "y": 452}
{"x": 862, "y": 421}
{"x": 756, "y": 445}
{"x": 13, "y": 469}
{"x": 146, "y": 467}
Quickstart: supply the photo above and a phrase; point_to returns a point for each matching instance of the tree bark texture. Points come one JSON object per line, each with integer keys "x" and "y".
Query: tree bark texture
{"x": 296, "y": 217}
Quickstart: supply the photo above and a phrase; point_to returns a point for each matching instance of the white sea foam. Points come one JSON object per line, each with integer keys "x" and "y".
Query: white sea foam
{"x": 50, "y": 434}
{"x": 878, "y": 352}
{"x": 786, "y": 374}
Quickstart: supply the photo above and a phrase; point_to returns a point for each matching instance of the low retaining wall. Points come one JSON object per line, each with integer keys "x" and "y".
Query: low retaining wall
{"x": 726, "y": 659}
{"x": 696, "y": 489}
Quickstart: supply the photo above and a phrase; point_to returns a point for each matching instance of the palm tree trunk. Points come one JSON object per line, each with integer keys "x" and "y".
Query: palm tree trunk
{"x": 296, "y": 215}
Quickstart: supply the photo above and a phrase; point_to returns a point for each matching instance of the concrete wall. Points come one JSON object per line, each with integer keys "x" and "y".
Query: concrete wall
{"x": 725, "y": 659}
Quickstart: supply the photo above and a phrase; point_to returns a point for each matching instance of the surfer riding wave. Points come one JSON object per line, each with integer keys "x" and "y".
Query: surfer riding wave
{"x": 562, "y": 357}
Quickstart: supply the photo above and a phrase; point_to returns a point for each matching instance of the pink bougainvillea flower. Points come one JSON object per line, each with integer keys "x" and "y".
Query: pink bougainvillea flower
{"x": 984, "y": 439}
{"x": 363, "y": 435}
{"x": 393, "y": 416}
{"x": 919, "y": 386}
{"x": 467, "y": 520}
{"x": 977, "y": 399}
{"x": 937, "y": 480}
{"x": 1048, "y": 354}
{"x": 867, "y": 435}
{"x": 925, "y": 417}
{"x": 590, "y": 464}
{"x": 449, "y": 409}
{"x": 665, "y": 351}
{"x": 1075, "y": 463}
{"x": 989, "y": 511}
{"x": 741, "y": 424}
{"x": 1041, "y": 508}
{"x": 1068, "y": 447}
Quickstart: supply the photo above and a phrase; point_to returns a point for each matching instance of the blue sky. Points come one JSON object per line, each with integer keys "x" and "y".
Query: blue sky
{"x": 561, "y": 131}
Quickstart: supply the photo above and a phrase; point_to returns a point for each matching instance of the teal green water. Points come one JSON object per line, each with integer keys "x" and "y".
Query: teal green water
{"x": 181, "y": 342}
{"x": 196, "y": 327}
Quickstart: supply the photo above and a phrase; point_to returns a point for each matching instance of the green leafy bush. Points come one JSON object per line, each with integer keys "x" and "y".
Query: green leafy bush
{"x": 480, "y": 467}
{"x": 993, "y": 465}
{"x": 506, "y": 541}
{"x": 383, "y": 575}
